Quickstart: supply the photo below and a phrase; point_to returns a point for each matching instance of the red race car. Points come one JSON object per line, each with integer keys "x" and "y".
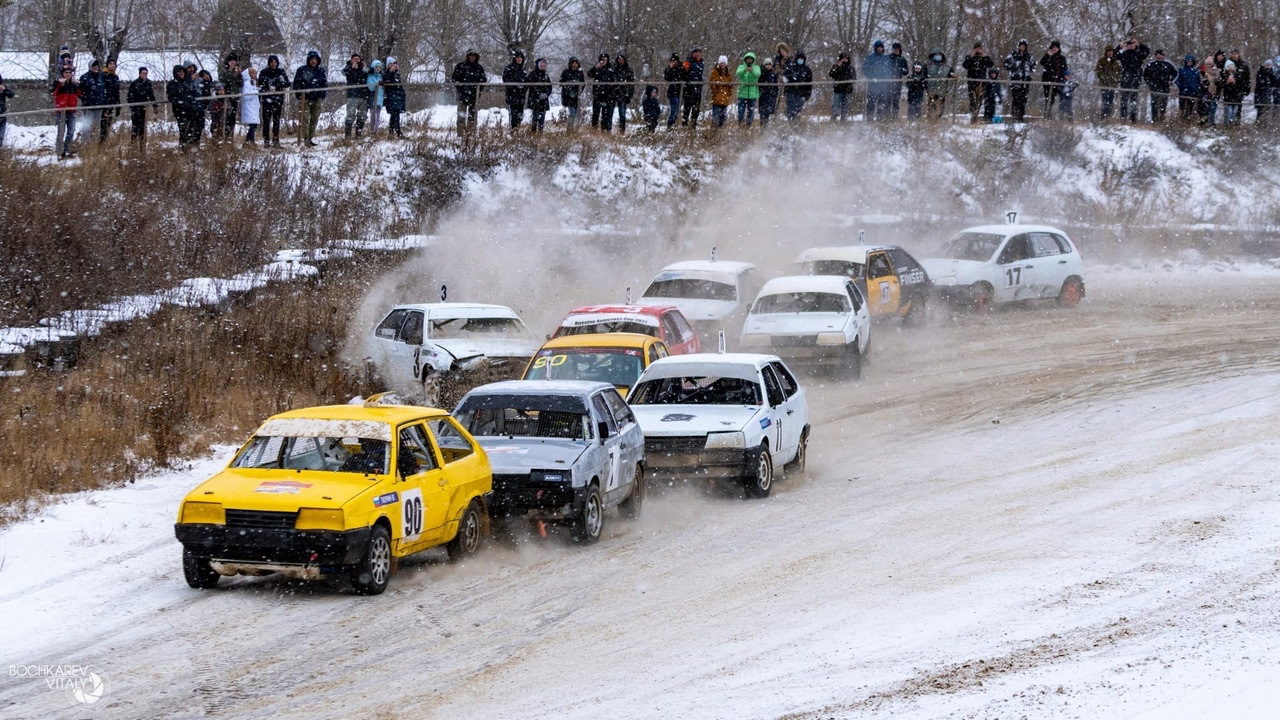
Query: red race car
{"x": 663, "y": 322}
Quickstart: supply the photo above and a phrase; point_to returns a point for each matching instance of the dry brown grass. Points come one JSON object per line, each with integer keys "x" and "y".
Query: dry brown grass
{"x": 167, "y": 387}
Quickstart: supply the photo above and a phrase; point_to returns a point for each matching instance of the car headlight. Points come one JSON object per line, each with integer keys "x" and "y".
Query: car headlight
{"x": 319, "y": 519}
{"x": 831, "y": 338}
{"x": 755, "y": 340}
{"x": 726, "y": 440}
{"x": 203, "y": 512}
{"x": 550, "y": 475}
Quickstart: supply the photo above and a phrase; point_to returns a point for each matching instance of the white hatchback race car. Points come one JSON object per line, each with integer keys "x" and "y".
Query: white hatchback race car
{"x": 811, "y": 319}
{"x": 993, "y": 264}
{"x": 712, "y": 294}
{"x": 733, "y": 416}
{"x": 414, "y": 341}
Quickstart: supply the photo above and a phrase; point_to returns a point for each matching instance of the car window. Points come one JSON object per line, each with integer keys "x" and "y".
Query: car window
{"x": 972, "y": 246}
{"x": 411, "y": 330}
{"x": 847, "y": 268}
{"x": 608, "y": 326}
{"x": 855, "y": 296}
{"x": 1044, "y": 245}
{"x": 878, "y": 266}
{"x": 691, "y": 288}
{"x": 785, "y": 379}
{"x": 686, "y": 332}
{"x": 416, "y": 455}
{"x": 549, "y": 416}
{"x": 1064, "y": 247}
{"x": 330, "y": 454}
{"x": 621, "y": 411}
{"x": 772, "y": 388}
{"x": 1016, "y": 250}
{"x": 801, "y": 302}
{"x": 670, "y": 330}
{"x": 603, "y": 413}
{"x": 902, "y": 261}
{"x": 453, "y": 445}
{"x": 390, "y": 325}
{"x": 697, "y": 390}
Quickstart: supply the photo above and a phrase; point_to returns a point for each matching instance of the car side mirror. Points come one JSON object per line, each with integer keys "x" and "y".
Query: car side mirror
{"x": 603, "y": 429}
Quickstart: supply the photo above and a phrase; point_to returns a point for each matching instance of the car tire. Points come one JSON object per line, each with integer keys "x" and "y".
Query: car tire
{"x": 371, "y": 575}
{"x": 1072, "y": 292}
{"x": 630, "y": 508}
{"x": 853, "y": 361}
{"x": 983, "y": 297}
{"x": 802, "y": 454}
{"x": 760, "y": 483}
{"x": 470, "y": 531}
{"x": 197, "y": 571}
{"x": 586, "y": 528}
{"x": 916, "y": 312}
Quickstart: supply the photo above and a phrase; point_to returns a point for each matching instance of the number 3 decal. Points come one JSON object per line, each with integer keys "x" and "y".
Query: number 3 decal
{"x": 411, "y": 514}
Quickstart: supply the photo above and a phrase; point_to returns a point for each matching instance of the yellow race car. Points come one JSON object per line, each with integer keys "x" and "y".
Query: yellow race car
{"x": 614, "y": 358}
{"x": 341, "y": 489}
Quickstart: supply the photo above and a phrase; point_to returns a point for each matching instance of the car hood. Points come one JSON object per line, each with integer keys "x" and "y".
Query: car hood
{"x": 510, "y": 456}
{"x": 282, "y": 490}
{"x": 810, "y": 323}
{"x": 467, "y": 348}
{"x": 939, "y": 268}
{"x": 680, "y": 420}
{"x": 697, "y": 310}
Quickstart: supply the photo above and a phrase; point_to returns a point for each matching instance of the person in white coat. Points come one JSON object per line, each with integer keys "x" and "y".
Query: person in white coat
{"x": 250, "y": 107}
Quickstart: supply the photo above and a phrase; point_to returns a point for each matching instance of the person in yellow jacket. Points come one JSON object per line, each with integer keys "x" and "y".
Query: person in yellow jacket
{"x": 721, "y": 82}
{"x": 748, "y": 76}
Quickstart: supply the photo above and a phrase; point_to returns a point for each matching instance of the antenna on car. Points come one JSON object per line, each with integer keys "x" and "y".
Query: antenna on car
{"x": 862, "y": 237}
{"x": 722, "y": 342}
{"x": 444, "y": 293}
{"x": 1011, "y": 217}
{"x": 628, "y": 295}
{"x": 713, "y": 253}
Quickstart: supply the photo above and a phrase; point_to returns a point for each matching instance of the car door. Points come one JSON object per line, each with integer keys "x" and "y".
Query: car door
{"x": 611, "y": 475}
{"x": 883, "y": 288}
{"x": 406, "y": 354}
{"x": 793, "y": 408}
{"x": 466, "y": 471}
{"x": 1014, "y": 267}
{"x": 860, "y": 314}
{"x": 778, "y": 421}
{"x": 630, "y": 436}
{"x": 1052, "y": 264}
{"x": 424, "y": 500}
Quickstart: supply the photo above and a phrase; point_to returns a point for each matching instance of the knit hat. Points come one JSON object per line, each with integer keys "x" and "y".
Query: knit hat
{"x": 391, "y": 60}
{"x": 675, "y": 57}
{"x": 1229, "y": 66}
{"x": 877, "y": 44}
{"x": 897, "y": 45}
{"x": 1055, "y": 44}
{"x": 723, "y": 60}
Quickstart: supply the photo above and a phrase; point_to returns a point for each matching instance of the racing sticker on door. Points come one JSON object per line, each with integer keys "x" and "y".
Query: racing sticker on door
{"x": 884, "y": 291}
{"x": 615, "y": 469}
{"x": 411, "y": 514}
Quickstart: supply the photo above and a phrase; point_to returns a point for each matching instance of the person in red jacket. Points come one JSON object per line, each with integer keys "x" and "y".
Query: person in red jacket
{"x": 66, "y": 98}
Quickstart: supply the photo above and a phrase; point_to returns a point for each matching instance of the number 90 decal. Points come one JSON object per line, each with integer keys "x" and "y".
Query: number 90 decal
{"x": 411, "y": 514}
{"x": 553, "y": 361}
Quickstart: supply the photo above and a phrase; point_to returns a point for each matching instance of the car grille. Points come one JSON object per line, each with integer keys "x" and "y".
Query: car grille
{"x": 261, "y": 519}
{"x": 510, "y": 481}
{"x": 794, "y": 340}
{"x": 665, "y": 445}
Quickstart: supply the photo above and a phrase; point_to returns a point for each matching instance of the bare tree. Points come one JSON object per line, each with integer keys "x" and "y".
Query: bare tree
{"x": 376, "y": 27}
{"x": 105, "y": 26}
{"x": 522, "y": 23}
{"x": 447, "y": 31}
{"x": 856, "y": 22}
{"x": 925, "y": 24}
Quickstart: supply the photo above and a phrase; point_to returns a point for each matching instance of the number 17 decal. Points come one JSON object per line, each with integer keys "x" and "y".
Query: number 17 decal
{"x": 1013, "y": 275}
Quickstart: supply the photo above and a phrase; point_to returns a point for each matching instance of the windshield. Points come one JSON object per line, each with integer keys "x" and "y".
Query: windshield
{"x": 691, "y": 288}
{"x": 540, "y": 416}
{"x": 845, "y": 268}
{"x": 608, "y": 326}
{"x": 331, "y": 454}
{"x": 448, "y": 328}
{"x": 805, "y": 302}
{"x": 972, "y": 246}
{"x": 696, "y": 391}
{"x": 617, "y": 366}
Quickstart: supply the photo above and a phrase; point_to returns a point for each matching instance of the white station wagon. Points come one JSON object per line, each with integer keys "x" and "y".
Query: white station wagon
{"x": 816, "y": 319}
{"x": 413, "y": 341}
{"x": 732, "y": 416}
{"x": 993, "y": 264}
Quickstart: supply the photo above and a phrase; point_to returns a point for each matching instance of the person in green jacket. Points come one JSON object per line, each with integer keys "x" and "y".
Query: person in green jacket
{"x": 748, "y": 77}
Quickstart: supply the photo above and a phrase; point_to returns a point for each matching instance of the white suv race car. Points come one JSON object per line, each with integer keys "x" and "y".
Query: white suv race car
{"x": 993, "y": 264}
{"x": 818, "y": 319}
{"x": 712, "y": 294}
{"x": 414, "y": 341}
{"x": 730, "y": 416}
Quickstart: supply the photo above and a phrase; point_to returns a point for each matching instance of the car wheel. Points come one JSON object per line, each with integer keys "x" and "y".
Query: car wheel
{"x": 467, "y": 541}
{"x": 589, "y": 524}
{"x": 197, "y": 570}
{"x": 630, "y": 508}
{"x": 853, "y": 361}
{"x": 802, "y": 454}
{"x": 1072, "y": 292}
{"x": 983, "y": 297}
{"x": 916, "y": 312}
{"x": 760, "y": 483}
{"x": 371, "y": 575}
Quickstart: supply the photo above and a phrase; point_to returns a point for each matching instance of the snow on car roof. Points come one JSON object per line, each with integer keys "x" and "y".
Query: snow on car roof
{"x": 542, "y": 387}
{"x": 745, "y": 366}
{"x": 834, "y": 284}
{"x": 1013, "y": 229}
{"x": 848, "y": 253}
{"x": 461, "y": 310}
{"x": 725, "y": 267}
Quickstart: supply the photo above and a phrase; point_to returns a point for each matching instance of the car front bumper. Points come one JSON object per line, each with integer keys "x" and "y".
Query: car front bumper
{"x": 518, "y": 495}
{"x": 668, "y": 460}
{"x": 274, "y": 546}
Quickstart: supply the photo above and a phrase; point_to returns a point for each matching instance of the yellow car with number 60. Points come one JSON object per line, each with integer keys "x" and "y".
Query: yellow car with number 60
{"x": 341, "y": 489}
{"x": 614, "y": 358}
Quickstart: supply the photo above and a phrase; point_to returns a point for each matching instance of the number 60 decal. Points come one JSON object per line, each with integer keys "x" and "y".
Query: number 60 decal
{"x": 411, "y": 513}
{"x": 553, "y": 361}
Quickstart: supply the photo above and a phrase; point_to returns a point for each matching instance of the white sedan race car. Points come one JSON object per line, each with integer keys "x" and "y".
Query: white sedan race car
{"x": 721, "y": 416}
{"x": 710, "y": 293}
{"x": 993, "y": 264}
{"x": 413, "y": 341}
{"x": 818, "y": 319}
